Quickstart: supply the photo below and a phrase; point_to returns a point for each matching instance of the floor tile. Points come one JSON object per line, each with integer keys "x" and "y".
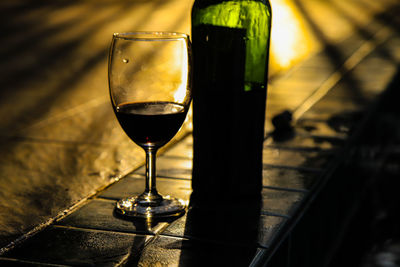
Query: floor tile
{"x": 41, "y": 179}
{"x": 292, "y": 179}
{"x": 134, "y": 185}
{"x": 308, "y": 73}
{"x": 338, "y": 104}
{"x": 281, "y": 202}
{"x": 293, "y": 86}
{"x": 336, "y": 129}
{"x": 183, "y": 149}
{"x": 237, "y": 225}
{"x": 301, "y": 159}
{"x": 99, "y": 214}
{"x": 302, "y": 140}
{"x": 173, "y": 251}
{"x": 60, "y": 245}
{"x": 20, "y": 263}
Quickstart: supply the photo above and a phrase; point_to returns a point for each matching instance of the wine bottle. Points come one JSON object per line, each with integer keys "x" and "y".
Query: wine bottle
{"x": 230, "y": 54}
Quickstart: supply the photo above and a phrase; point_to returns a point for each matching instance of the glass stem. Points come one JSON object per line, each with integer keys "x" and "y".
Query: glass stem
{"x": 150, "y": 193}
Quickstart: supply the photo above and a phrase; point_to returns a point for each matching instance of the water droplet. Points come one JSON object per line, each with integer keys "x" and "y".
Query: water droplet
{"x": 125, "y": 60}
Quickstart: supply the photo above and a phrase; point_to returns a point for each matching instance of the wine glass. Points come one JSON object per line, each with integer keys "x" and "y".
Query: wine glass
{"x": 150, "y": 89}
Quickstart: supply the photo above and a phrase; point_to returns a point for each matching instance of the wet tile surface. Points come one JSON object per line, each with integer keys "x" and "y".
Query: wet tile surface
{"x": 65, "y": 144}
{"x": 99, "y": 214}
{"x": 292, "y": 179}
{"x": 305, "y": 141}
{"x": 281, "y": 202}
{"x": 53, "y": 175}
{"x": 312, "y": 160}
{"x": 337, "y": 105}
{"x": 19, "y": 263}
{"x": 173, "y": 251}
{"x": 134, "y": 185}
{"x": 183, "y": 149}
{"x": 79, "y": 247}
{"x": 241, "y": 225}
{"x": 337, "y": 126}
{"x": 339, "y": 130}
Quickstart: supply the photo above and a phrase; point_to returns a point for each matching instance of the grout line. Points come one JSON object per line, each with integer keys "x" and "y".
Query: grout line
{"x": 307, "y": 169}
{"x": 330, "y": 137}
{"x": 108, "y": 200}
{"x": 212, "y": 241}
{"x": 302, "y": 148}
{"x": 286, "y": 189}
{"x": 166, "y": 177}
{"x": 33, "y": 263}
{"x": 174, "y": 157}
{"x": 173, "y": 178}
{"x": 269, "y": 213}
{"x": 18, "y": 138}
{"x": 105, "y": 198}
{"x": 258, "y": 257}
{"x": 68, "y": 113}
{"x": 41, "y": 227}
{"x": 379, "y": 38}
{"x": 76, "y": 228}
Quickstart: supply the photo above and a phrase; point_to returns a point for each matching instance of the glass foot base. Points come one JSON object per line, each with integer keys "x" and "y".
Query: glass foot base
{"x": 136, "y": 207}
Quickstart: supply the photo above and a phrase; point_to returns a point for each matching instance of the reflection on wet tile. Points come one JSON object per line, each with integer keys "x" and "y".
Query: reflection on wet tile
{"x": 172, "y": 167}
{"x": 296, "y": 87}
{"x": 341, "y": 99}
{"x": 312, "y": 160}
{"x": 289, "y": 178}
{"x": 279, "y": 99}
{"x": 281, "y": 202}
{"x": 183, "y": 149}
{"x": 234, "y": 226}
{"x": 375, "y": 73}
{"x": 320, "y": 60}
{"x": 39, "y": 180}
{"x": 173, "y": 251}
{"x": 319, "y": 115}
{"x": 337, "y": 105}
{"x": 345, "y": 91}
{"x": 78, "y": 124}
{"x": 134, "y": 185}
{"x": 309, "y": 73}
{"x": 322, "y": 128}
{"x": 60, "y": 245}
{"x": 302, "y": 140}
{"x": 338, "y": 125}
{"x": 99, "y": 214}
{"x": 18, "y": 263}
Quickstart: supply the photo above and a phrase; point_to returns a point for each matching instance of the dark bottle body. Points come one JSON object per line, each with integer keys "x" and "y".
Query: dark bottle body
{"x": 229, "y": 98}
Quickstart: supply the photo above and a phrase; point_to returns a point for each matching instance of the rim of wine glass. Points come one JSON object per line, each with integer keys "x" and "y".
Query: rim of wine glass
{"x": 149, "y": 35}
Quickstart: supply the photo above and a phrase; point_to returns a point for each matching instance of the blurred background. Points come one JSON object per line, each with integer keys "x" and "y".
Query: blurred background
{"x": 59, "y": 140}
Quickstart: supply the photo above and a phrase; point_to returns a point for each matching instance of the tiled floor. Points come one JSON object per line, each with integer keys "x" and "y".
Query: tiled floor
{"x": 294, "y": 169}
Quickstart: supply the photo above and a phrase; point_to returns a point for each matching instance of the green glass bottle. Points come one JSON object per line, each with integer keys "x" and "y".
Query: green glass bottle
{"x": 230, "y": 54}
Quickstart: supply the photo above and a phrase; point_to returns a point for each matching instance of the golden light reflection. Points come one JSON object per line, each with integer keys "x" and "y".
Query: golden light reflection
{"x": 181, "y": 92}
{"x": 291, "y": 40}
{"x": 183, "y": 63}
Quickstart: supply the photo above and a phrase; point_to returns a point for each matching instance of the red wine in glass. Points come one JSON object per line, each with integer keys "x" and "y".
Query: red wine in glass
{"x": 151, "y": 124}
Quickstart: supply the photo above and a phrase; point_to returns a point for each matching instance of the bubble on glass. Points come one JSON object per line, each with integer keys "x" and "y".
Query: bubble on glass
{"x": 125, "y": 60}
